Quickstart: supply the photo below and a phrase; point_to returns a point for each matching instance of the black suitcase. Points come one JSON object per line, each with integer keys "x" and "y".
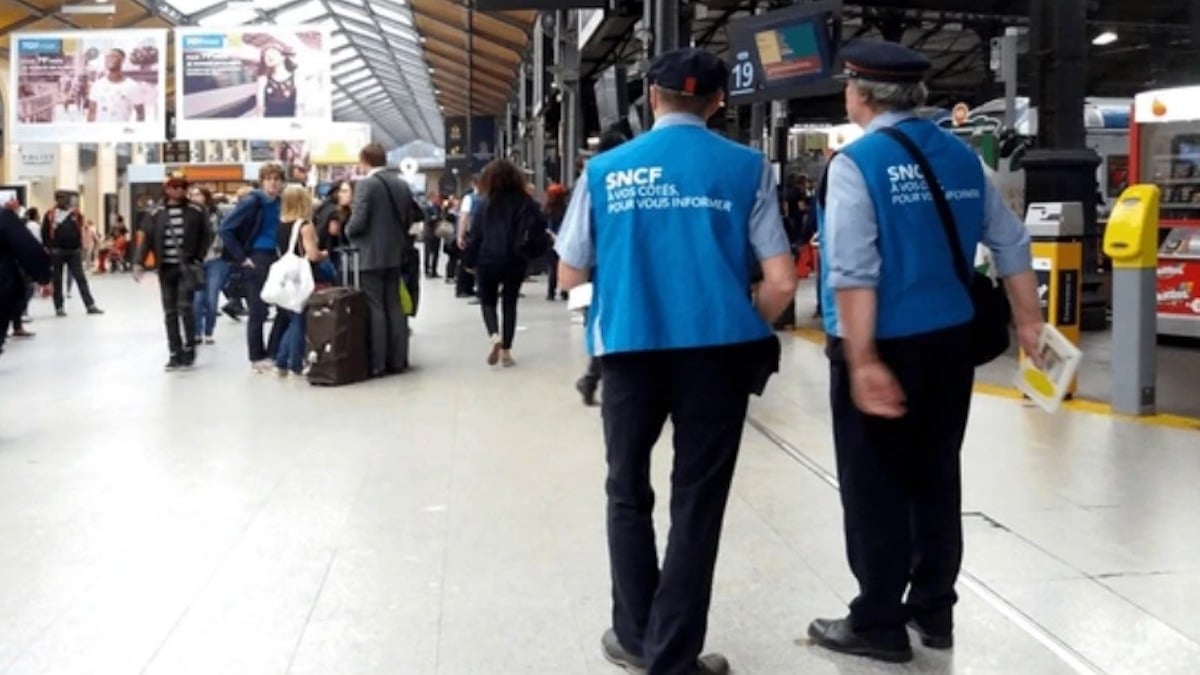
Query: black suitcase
{"x": 337, "y": 330}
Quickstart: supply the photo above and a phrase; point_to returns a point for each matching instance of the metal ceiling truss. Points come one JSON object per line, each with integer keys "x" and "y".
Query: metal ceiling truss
{"x": 356, "y": 39}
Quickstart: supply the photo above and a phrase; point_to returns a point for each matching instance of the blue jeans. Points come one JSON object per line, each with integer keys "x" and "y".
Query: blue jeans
{"x": 216, "y": 273}
{"x": 291, "y": 345}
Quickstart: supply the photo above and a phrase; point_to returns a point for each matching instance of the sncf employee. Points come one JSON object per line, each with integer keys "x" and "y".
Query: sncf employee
{"x": 674, "y": 223}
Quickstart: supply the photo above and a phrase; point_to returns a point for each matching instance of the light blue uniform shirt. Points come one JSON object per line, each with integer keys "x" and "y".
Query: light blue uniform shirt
{"x": 849, "y": 243}
{"x": 675, "y": 222}
{"x": 576, "y": 247}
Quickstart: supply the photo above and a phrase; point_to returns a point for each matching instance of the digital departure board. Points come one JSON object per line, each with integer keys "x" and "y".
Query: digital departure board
{"x": 790, "y": 53}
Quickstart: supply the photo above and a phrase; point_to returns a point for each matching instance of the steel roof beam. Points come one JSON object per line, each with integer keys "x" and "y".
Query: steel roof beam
{"x": 496, "y": 41}
{"x": 367, "y": 112}
{"x": 408, "y": 120}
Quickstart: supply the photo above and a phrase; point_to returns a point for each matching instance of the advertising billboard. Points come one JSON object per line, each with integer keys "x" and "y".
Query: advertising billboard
{"x": 252, "y": 82}
{"x": 88, "y": 86}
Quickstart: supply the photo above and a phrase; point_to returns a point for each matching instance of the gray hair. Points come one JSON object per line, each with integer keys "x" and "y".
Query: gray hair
{"x": 886, "y": 96}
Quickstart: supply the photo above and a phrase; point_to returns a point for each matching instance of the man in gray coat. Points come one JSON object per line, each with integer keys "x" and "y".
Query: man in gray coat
{"x": 380, "y": 219}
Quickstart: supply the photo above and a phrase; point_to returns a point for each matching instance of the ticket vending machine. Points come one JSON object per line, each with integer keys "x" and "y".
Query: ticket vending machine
{"x": 1056, "y": 229}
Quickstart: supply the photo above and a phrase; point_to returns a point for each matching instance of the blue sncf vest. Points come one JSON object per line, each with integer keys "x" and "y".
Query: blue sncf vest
{"x": 671, "y": 212}
{"x": 918, "y": 290}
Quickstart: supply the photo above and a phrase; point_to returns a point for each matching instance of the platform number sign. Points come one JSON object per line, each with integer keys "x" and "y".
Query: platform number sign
{"x": 744, "y": 75}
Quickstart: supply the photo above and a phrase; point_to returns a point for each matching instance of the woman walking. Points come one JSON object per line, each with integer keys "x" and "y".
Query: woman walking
{"x": 493, "y": 251}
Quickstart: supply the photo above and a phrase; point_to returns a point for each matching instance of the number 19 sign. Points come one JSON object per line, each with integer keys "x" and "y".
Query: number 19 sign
{"x": 743, "y": 75}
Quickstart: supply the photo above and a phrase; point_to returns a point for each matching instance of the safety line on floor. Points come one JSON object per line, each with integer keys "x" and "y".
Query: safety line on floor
{"x": 816, "y": 337}
{"x": 1064, "y": 652}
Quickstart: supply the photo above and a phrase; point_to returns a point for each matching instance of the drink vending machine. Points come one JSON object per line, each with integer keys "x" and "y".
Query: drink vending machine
{"x": 1165, "y": 151}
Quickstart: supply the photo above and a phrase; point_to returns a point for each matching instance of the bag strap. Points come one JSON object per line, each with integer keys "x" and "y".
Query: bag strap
{"x": 939, "y": 199}
{"x": 295, "y": 235}
{"x": 391, "y": 198}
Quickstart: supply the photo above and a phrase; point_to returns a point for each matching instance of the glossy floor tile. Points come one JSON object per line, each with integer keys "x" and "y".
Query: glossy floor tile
{"x": 450, "y": 521}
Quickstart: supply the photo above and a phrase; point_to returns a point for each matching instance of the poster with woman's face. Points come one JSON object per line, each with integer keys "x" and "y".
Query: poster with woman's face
{"x": 251, "y": 82}
{"x": 88, "y": 86}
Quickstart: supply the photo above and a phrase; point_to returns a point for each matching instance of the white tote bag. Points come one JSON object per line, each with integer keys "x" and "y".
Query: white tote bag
{"x": 290, "y": 279}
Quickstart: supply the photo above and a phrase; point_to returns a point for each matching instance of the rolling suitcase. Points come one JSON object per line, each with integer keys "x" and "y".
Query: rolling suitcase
{"x": 338, "y": 326}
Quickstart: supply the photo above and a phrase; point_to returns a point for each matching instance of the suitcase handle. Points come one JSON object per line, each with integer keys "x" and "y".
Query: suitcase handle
{"x": 350, "y": 257}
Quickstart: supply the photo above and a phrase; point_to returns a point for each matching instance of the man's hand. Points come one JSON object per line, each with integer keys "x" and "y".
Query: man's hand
{"x": 13, "y": 205}
{"x": 1029, "y": 335}
{"x": 876, "y": 391}
{"x": 1022, "y": 291}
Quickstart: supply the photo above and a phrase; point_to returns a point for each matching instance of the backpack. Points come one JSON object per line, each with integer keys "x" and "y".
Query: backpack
{"x": 532, "y": 240}
{"x": 68, "y": 235}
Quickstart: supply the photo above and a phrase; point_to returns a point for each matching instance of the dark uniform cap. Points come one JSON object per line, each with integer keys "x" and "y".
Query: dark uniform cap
{"x": 691, "y": 72}
{"x": 878, "y": 61}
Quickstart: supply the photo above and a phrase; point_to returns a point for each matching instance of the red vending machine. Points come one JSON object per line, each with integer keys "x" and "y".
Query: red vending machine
{"x": 1165, "y": 151}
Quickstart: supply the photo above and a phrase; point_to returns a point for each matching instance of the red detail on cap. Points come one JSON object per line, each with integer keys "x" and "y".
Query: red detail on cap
{"x": 689, "y": 85}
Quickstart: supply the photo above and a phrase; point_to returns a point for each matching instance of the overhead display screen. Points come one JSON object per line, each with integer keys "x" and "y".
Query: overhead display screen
{"x": 786, "y": 54}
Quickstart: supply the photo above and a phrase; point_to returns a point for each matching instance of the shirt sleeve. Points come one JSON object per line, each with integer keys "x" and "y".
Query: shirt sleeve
{"x": 767, "y": 236}
{"x": 574, "y": 244}
{"x": 1005, "y": 235}
{"x": 849, "y": 244}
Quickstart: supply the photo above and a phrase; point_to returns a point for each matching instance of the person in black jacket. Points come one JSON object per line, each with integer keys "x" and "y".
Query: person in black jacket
{"x": 504, "y": 203}
{"x": 178, "y": 235}
{"x": 21, "y": 258}
{"x": 62, "y": 235}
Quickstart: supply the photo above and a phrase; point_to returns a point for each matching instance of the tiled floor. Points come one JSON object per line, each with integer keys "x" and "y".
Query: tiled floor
{"x": 450, "y": 521}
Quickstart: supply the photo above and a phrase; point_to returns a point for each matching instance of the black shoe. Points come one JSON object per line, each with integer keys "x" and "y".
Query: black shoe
{"x": 188, "y": 358}
{"x": 712, "y": 664}
{"x": 618, "y": 655}
{"x": 94, "y": 310}
{"x": 60, "y": 312}
{"x": 709, "y": 664}
{"x": 932, "y": 639}
{"x": 172, "y": 365}
{"x": 231, "y": 312}
{"x": 837, "y": 635}
{"x": 586, "y": 389}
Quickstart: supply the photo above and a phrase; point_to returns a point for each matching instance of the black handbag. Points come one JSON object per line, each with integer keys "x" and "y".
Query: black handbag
{"x": 989, "y": 326}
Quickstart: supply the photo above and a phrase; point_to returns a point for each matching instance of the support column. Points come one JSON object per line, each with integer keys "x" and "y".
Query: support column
{"x": 523, "y": 114}
{"x": 758, "y": 125}
{"x": 649, "y": 50}
{"x": 1063, "y": 168}
{"x": 666, "y": 26}
{"x": 568, "y": 76}
{"x": 538, "y": 156}
{"x": 67, "y": 175}
{"x": 467, "y": 135}
{"x": 779, "y": 136}
{"x": 508, "y": 130}
{"x": 106, "y": 183}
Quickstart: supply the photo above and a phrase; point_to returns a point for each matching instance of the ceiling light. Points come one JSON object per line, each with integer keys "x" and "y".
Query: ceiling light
{"x": 1106, "y": 38}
